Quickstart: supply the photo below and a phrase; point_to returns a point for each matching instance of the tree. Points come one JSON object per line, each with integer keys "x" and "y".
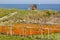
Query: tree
{"x": 34, "y": 7}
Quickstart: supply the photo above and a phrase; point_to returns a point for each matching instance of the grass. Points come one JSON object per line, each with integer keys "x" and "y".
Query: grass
{"x": 52, "y": 36}
{"x": 4, "y": 37}
{"x": 24, "y": 13}
{"x": 4, "y": 12}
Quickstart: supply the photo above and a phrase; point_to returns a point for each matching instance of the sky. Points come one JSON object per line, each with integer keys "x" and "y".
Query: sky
{"x": 29, "y": 1}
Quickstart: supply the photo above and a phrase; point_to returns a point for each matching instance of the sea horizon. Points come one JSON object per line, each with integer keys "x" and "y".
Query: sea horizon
{"x": 26, "y": 6}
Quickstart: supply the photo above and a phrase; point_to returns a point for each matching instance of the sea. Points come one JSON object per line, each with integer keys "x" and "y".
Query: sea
{"x": 26, "y": 6}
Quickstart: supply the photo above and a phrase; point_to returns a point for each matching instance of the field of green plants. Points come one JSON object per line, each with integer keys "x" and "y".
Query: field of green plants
{"x": 4, "y": 12}
{"x": 26, "y": 15}
{"x": 53, "y": 36}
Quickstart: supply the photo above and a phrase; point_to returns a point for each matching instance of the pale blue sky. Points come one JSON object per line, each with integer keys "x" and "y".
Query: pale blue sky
{"x": 29, "y": 1}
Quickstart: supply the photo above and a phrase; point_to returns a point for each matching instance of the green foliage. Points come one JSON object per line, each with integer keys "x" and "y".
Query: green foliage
{"x": 26, "y": 14}
{"x": 52, "y": 36}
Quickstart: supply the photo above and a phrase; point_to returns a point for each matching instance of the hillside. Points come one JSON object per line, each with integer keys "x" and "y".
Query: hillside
{"x": 14, "y": 16}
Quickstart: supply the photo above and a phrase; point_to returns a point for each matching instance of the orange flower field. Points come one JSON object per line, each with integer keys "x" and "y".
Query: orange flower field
{"x": 29, "y": 29}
